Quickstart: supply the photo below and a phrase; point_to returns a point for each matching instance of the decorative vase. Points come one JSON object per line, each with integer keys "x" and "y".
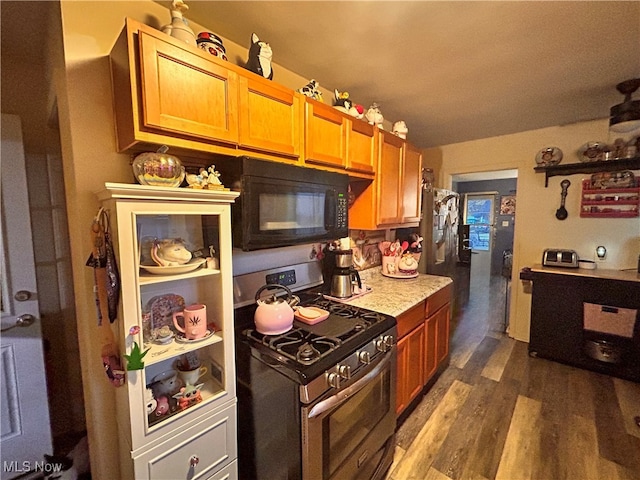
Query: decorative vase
{"x": 158, "y": 169}
{"x": 179, "y": 28}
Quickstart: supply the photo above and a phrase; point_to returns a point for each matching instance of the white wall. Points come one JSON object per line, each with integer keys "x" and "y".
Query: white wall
{"x": 536, "y": 226}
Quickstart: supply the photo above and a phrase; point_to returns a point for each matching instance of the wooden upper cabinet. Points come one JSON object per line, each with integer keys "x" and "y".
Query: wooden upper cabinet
{"x": 394, "y": 196}
{"x": 389, "y": 180}
{"x": 362, "y": 147}
{"x": 185, "y": 93}
{"x": 412, "y": 184}
{"x": 270, "y": 116}
{"x": 325, "y": 135}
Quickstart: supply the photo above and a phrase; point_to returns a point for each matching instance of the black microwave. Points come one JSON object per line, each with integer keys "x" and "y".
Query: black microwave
{"x": 281, "y": 205}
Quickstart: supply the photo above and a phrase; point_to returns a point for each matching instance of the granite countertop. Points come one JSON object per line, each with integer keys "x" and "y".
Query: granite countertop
{"x": 394, "y": 296}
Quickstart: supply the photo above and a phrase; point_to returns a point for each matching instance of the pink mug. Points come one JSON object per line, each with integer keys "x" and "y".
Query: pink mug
{"x": 194, "y": 319}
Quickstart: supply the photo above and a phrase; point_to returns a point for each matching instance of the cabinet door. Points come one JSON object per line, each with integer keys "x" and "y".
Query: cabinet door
{"x": 362, "y": 149}
{"x": 430, "y": 360}
{"x": 412, "y": 184}
{"x": 389, "y": 180}
{"x": 442, "y": 340}
{"x": 186, "y": 94}
{"x": 410, "y": 368}
{"x": 402, "y": 395}
{"x": 269, "y": 117}
{"x": 325, "y": 135}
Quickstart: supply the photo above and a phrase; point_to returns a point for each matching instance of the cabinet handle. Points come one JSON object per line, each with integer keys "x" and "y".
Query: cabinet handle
{"x": 193, "y": 461}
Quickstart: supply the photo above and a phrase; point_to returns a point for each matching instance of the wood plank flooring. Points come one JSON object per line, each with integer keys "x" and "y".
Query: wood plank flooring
{"x": 496, "y": 413}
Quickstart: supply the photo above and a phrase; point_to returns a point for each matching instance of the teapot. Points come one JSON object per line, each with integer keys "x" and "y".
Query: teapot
{"x": 274, "y": 315}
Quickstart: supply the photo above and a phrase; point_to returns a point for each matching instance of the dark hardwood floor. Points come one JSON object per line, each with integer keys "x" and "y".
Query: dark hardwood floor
{"x": 496, "y": 413}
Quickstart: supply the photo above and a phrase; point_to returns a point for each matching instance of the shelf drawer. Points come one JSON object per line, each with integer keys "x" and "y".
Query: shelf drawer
{"x": 212, "y": 441}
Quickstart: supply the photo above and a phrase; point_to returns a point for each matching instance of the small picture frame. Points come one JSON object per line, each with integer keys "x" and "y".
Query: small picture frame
{"x": 508, "y": 205}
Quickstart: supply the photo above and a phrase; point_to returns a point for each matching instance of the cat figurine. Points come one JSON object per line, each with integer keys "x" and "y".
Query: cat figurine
{"x": 74, "y": 466}
{"x": 260, "y": 55}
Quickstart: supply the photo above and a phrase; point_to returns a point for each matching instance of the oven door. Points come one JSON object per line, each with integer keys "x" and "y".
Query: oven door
{"x": 349, "y": 434}
{"x": 277, "y": 212}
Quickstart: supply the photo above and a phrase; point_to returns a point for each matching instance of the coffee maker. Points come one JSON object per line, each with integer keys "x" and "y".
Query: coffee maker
{"x": 339, "y": 274}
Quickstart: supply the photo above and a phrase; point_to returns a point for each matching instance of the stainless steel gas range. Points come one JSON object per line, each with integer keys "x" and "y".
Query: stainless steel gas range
{"x": 316, "y": 402}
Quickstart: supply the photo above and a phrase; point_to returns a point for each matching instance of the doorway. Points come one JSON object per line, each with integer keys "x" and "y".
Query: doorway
{"x": 488, "y": 220}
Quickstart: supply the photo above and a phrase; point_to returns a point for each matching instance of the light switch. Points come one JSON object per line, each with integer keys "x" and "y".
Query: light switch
{"x": 505, "y": 223}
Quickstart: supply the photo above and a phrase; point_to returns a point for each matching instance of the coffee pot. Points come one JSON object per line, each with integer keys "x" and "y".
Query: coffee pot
{"x": 343, "y": 281}
{"x": 344, "y": 276}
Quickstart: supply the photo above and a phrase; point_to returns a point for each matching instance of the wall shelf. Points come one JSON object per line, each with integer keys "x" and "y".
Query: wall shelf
{"x": 588, "y": 167}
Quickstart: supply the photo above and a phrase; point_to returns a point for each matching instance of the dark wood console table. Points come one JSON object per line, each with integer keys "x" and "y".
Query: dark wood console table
{"x": 557, "y": 308}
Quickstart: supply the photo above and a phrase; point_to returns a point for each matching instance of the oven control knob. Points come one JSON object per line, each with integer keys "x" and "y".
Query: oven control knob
{"x": 333, "y": 380}
{"x": 344, "y": 371}
{"x": 388, "y": 340}
{"x": 364, "y": 357}
{"x": 381, "y": 346}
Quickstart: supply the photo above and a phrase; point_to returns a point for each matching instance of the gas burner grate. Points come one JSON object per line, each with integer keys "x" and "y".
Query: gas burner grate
{"x": 300, "y": 345}
{"x": 349, "y": 311}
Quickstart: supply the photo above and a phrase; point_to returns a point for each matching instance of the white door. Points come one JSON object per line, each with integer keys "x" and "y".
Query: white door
{"x": 479, "y": 215}
{"x": 26, "y": 434}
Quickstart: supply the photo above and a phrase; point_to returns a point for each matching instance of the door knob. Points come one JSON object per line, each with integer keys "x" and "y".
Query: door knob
{"x": 22, "y": 295}
{"x": 22, "y": 321}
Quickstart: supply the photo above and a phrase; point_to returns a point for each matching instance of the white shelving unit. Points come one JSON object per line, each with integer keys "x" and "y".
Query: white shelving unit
{"x": 197, "y": 440}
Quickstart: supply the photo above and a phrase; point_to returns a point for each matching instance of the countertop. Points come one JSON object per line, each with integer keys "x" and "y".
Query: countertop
{"x": 394, "y": 296}
{"x": 601, "y": 273}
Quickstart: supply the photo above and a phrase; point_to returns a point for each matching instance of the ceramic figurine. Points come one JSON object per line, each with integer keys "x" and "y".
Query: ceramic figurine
{"x": 208, "y": 179}
{"x": 149, "y": 401}
{"x": 374, "y": 115}
{"x": 357, "y": 111}
{"x": 179, "y": 28}
{"x": 260, "y": 55}
{"x": 212, "y": 44}
{"x": 170, "y": 252}
{"x": 312, "y": 90}
{"x": 341, "y": 101}
{"x": 400, "y": 129}
{"x": 188, "y": 395}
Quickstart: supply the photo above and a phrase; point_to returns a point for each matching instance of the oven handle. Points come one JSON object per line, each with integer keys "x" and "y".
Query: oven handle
{"x": 343, "y": 395}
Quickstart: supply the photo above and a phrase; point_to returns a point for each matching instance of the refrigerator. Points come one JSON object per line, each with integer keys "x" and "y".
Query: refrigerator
{"x": 439, "y": 229}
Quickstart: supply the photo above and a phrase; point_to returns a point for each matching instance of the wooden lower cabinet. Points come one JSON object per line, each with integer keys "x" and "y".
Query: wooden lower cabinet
{"x": 410, "y": 368}
{"x": 423, "y": 345}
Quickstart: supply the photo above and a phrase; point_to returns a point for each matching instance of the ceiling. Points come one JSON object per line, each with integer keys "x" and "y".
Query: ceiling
{"x": 453, "y": 71}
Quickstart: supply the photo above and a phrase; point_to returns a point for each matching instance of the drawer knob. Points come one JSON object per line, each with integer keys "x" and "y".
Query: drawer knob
{"x": 194, "y": 460}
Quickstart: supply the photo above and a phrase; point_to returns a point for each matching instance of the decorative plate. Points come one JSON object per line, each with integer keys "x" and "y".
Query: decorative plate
{"x": 193, "y": 264}
{"x": 180, "y": 338}
{"x": 591, "y": 151}
{"x": 549, "y": 156}
{"x": 161, "y": 309}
